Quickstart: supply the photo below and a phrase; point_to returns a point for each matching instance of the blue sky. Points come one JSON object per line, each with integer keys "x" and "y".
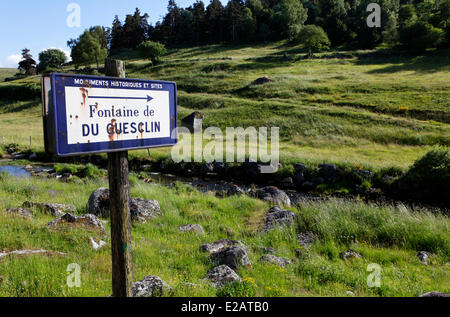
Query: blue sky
{"x": 41, "y": 24}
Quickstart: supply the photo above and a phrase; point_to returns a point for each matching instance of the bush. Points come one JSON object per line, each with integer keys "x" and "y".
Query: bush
{"x": 429, "y": 178}
{"x": 246, "y": 288}
{"x": 420, "y": 35}
{"x": 151, "y": 50}
{"x": 313, "y": 38}
{"x": 51, "y": 59}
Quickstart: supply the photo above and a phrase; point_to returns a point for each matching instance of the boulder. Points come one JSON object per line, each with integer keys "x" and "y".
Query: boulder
{"x": 233, "y": 257}
{"x": 424, "y": 256}
{"x": 222, "y": 275}
{"x": 270, "y": 258}
{"x": 207, "y": 168}
{"x": 262, "y": 80}
{"x": 329, "y": 172}
{"x": 151, "y": 286}
{"x": 31, "y": 252}
{"x": 435, "y": 294}
{"x": 17, "y": 211}
{"x": 267, "y": 250}
{"x": 349, "y": 254}
{"x": 278, "y": 217}
{"x": 192, "y": 228}
{"x": 141, "y": 210}
{"x": 274, "y": 196}
{"x": 305, "y": 239}
{"x": 219, "y": 245}
{"x": 235, "y": 190}
{"x": 56, "y": 210}
{"x": 89, "y": 221}
{"x": 98, "y": 203}
{"x": 193, "y": 122}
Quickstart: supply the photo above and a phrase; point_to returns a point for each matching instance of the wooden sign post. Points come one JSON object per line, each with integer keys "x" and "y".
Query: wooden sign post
{"x": 119, "y": 206}
{"x": 95, "y": 114}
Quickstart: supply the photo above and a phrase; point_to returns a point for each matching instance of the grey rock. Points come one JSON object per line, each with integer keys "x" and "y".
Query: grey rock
{"x": 262, "y": 80}
{"x": 267, "y": 250}
{"x": 56, "y": 210}
{"x": 151, "y": 286}
{"x": 233, "y": 257}
{"x": 221, "y": 275}
{"x": 274, "y": 195}
{"x": 300, "y": 167}
{"x": 96, "y": 243}
{"x": 192, "y": 228}
{"x": 142, "y": 210}
{"x": 278, "y": 217}
{"x": 305, "y": 239}
{"x": 98, "y": 203}
{"x": 219, "y": 245}
{"x": 424, "y": 256}
{"x": 193, "y": 121}
{"x": 235, "y": 190}
{"x": 364, "y": 173}
{"x": 31, "y": 252}
{"x": 270, "y": 258}
{"x": 318, "y": 180}
{"x": 306, "y": 186}
{"x": 329, "y": 172}
{"x": 435, "y": 294}
{"x": 89, "y": 221}
{"x": 17, "y": 211}
{"x": 349, "y": 254}
{"x": 287, "y": 183}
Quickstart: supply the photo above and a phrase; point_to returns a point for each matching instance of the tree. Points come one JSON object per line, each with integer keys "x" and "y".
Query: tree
{"x": 27, "y": 64}
{"x": 421, "y": 35}
{"x": 215, "y": 21}
{"x": 135, "y": 29}
{"x": 51, "y": 58}
{"x": 313, "y": 38}
{"x": 87, "y": 50}
{"x": 290, "y": 15}
{"x": 152, "y": 50}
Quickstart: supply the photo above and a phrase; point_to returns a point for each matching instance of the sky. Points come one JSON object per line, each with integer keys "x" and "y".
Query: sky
{"x": 39, "y": 25}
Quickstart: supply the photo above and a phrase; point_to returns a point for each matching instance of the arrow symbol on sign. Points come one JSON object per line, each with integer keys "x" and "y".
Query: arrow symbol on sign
{"x": 148, "y": 98}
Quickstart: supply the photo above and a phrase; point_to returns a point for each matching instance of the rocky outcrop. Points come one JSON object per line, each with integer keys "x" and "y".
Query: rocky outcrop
{"x": 278, "y": 217}
{"x": 193, "y": 121}
{"x": 141, "y": 210}
{"x": 270, "y": 258}
{"x": 222, "y": 275}
{"x": 56, "y": 210}
{"x": 435, "y": 294}
{"x": 305, "y": 239}
{"x": 349, "y": 254}
{"x": 233, "y": 257}
{"x": 424, "y": 256}
{"x": 89, "y": 221}
{"x": 274, "y": 196}
{"x": 21, "y": 212}
{"x": 151, "y": 286}
{"x": 192, "y": 228}
{"x": 96, "y": 243}
{"x": 31, "y": 252}
{"x": 219, "y": 245}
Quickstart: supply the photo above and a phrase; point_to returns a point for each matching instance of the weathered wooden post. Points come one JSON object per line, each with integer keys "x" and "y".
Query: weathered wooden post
{"x": 119, "y": 196}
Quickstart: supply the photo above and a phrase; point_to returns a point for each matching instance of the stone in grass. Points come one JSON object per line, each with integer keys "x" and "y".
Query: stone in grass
{"x": 31, "y": 252}
{"x": 221, "y": 275}
{"x": 424, "y": 256}
{"x": 278, "y": 217}
{"x": 89, "y": 221}
{"x": 96, "y": 243}
{"x": 274, "y": 195}
{"x": 21, "y": 212}
{"x": 151, "y": 286}
{"x": 221, "y": 244}
{"x": 233, "y": 257}
{"x": 270, "y": 258}
{"x": 196, "y": 228}
{"x": 262, "y": 80}
{"x": 435, "y": 294}
{"x": 349, "y": 254}
{"x": 56, "y": 210}
{"x": 305, "y": 239}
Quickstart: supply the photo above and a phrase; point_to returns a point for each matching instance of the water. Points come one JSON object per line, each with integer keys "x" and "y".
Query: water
{"x": 17, "y": 171}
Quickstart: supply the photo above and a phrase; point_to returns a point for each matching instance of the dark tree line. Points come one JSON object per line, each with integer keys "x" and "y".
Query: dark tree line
{"x": 413, "y": 24}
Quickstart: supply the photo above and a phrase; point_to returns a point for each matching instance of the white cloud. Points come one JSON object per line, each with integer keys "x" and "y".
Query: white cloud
{"x": 12, "y": 61}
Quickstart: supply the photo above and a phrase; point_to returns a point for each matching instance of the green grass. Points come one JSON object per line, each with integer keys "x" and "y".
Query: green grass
{"x": 7, "y": 73}
{"x": 374, "y": 109}
{"x": 388, "y": 236}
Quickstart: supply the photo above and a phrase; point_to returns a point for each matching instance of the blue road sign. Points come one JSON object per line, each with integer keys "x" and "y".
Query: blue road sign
{"x": 91, "y": 114}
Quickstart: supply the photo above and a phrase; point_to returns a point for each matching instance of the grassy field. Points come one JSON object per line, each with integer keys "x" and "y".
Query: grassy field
{"x": 7, "y": 72}
{"x": 387, "y": 236}
{"x": 364, "y": 108}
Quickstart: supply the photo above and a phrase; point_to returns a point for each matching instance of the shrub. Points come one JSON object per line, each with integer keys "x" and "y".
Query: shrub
{"x": 152, "y": 50}
{"x": 429, "y": 178}
{"x": 246, "y": 288}
{"x": 420, "y": 35}
{"x": 313, "y": 38}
